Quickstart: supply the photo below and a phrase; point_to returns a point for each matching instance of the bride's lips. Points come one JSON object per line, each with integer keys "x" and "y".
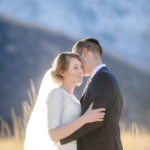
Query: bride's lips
{"x": 80, "y": 77}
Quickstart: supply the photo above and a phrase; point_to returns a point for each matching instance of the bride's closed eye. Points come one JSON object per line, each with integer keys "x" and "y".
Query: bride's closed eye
{"x": 78, "y": 67}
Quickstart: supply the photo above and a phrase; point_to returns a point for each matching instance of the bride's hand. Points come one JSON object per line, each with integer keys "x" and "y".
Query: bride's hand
{"x": 93, "y": 115}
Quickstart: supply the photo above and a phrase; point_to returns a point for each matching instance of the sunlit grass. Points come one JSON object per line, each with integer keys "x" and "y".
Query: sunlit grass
{"x": 15, "y": 141}
{"x": 135, "y": 139}
{"x": 132, "y": 138}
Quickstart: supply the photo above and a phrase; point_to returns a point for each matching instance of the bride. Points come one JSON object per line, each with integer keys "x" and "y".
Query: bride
{"x": 56, "y": 113}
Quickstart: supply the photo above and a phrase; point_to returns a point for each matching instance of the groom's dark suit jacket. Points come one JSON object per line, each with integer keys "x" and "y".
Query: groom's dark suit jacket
{"x": 104, "y": 92}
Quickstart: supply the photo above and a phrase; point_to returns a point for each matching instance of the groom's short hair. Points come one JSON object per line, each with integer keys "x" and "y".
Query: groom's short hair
{"x": 90, "y": 43}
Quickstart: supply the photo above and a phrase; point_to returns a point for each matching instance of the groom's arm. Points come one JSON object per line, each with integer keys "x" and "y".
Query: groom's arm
{"x": 101, "y": 93}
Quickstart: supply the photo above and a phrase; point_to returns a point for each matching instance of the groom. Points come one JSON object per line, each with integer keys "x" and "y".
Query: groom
{"x": 103, "y": 91}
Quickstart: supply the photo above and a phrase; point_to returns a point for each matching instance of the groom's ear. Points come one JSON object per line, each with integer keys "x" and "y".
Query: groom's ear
{"x": 85, "y": 52}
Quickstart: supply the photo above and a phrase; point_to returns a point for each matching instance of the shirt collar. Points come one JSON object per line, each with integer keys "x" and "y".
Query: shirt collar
{"x": 96, "y": 69}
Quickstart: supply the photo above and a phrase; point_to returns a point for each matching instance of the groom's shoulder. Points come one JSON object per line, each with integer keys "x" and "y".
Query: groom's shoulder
{"x": 105, "y": 73}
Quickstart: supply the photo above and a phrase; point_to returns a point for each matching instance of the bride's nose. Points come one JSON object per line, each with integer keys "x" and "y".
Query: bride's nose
{"x": 81, "y": 71}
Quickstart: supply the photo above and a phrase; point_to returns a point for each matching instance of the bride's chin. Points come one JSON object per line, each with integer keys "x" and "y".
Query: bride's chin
{"x": 79, "y": 84}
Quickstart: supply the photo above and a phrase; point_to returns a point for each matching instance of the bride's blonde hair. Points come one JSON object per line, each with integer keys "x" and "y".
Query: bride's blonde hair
{"x": 61, "y": 64}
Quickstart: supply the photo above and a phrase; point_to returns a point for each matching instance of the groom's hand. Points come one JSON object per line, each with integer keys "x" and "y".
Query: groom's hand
{"x": 93, "y": 115}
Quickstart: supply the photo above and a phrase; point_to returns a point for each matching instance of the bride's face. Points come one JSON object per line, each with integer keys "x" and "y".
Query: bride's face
{"x": 74, "y": 73}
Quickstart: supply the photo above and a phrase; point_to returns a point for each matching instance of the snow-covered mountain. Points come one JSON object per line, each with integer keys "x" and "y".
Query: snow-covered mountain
{"x": 122, "y": 27}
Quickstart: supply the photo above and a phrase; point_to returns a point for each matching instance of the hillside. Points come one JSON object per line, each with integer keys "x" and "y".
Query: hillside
{"x": 123, "y": 25}
{"x": 26, "y": 52}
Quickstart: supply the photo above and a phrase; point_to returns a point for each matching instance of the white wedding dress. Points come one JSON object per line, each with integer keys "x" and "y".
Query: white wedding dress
{"x": 62, "y": 108}
{"x": 54, "y": 107}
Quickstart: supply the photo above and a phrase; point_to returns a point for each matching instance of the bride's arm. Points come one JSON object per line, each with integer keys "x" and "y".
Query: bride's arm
{"x": 55, "y": 108}
{"x": 63, "y": 131}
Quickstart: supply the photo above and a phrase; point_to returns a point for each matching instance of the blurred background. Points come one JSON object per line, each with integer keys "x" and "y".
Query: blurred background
{"x": 33, "y": 32}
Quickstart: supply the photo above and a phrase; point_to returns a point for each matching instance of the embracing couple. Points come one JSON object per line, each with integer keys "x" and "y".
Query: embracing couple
{"x": 62, "y": 122}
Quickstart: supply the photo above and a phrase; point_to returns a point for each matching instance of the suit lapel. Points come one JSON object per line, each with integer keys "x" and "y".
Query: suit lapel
{"x": 82, "y": 98}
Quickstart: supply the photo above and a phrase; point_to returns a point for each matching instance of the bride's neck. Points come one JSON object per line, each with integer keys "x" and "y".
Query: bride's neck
{"x": 68, "y": 87}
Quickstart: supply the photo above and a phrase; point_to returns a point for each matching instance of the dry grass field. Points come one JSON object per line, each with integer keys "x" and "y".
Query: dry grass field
{"x": 132, "y": 138}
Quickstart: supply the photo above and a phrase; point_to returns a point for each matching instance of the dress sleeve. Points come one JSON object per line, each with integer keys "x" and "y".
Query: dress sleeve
{"x": 55, "y": 104}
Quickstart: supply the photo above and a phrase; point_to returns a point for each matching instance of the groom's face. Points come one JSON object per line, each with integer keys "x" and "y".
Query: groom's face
{"x": 85, "y": 58}
{"x": 85, "y": 66}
